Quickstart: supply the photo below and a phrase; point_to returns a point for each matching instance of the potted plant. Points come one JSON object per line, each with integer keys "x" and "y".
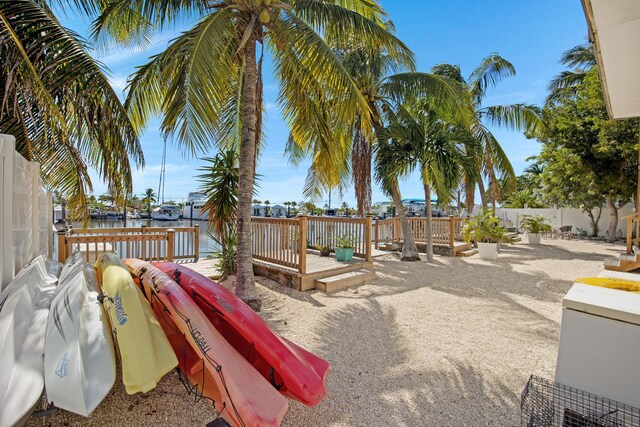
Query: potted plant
{"x": 534, "y": 225}
{"x": 487, "y": 232}
{"x": 344, "y": 248}
{"x": 325, "y": 250}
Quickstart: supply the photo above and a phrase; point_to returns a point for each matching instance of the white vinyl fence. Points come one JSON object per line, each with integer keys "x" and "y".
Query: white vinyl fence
{"x": 559, "y": 217}
{"x": 26, "y": 212}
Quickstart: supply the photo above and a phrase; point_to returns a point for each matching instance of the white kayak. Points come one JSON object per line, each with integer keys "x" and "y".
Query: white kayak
{"x": 79, "y": 357}
{"x": 24, "y": 308}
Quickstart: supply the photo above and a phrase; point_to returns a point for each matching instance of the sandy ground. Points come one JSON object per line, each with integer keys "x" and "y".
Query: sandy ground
{"x": 447, "y": 344}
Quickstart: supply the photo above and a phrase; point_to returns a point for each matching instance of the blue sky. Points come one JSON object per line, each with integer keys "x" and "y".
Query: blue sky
{"x": 530, "y": 34}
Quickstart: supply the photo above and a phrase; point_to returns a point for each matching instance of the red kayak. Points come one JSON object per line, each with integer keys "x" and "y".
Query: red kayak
{"x": 292, "y": 370}
{"x": 213, "y": 367}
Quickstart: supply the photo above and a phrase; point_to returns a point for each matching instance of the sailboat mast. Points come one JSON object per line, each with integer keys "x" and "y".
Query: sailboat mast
{"x": 162, "y": 169}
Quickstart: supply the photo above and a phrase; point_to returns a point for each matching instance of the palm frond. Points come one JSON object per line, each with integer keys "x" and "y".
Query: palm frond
{"x": 491, "y": 70}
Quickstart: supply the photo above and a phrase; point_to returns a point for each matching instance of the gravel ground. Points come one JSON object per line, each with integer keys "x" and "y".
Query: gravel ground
{"x": 447, "y": 344}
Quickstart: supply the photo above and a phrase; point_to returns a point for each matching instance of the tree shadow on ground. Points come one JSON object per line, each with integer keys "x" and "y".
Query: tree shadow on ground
{"x": 377, "y": 380}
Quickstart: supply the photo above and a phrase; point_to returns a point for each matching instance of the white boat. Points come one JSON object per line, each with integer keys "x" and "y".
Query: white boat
{"x": 166, "y": 213}
{"x": 79, "y": 357}
{"x": 24, "y": 308}
{"x": 133, "y": 215}
{"x": 193, "y": 207}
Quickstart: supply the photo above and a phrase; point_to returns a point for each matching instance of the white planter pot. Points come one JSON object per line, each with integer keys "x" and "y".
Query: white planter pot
{"x": 488, "y": 250}
{"x": 534, "y": 238}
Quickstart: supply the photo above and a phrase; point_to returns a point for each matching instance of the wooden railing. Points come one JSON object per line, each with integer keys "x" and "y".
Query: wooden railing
{"x": 326, "y": 231}
{"x": 277, "y": 240}
{"x": 148, "y": 243}
{"x": 445, "y": 231}
{"x": 633, "y": 231}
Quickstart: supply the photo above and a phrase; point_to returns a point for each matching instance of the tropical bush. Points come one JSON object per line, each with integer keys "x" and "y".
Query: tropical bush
{"x": 485, "y": 229}
{"x": 344, "y": 241}
{"x": 535, "y": 224}
{"x": 226, "y": 254}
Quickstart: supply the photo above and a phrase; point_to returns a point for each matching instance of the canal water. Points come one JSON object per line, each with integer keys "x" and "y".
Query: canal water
{"x": 207, "y": 244}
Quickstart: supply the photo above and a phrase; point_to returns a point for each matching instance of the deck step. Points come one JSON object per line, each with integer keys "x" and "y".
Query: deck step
{"x": 624, "y": 262}
{"x": 342, "y": 281}
{"x": 468, "y": 252}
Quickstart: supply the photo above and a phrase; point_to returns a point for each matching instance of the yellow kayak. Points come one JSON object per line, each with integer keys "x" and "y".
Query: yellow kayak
{"x": 144, "y": 348}
{"x": 611, "y": 283}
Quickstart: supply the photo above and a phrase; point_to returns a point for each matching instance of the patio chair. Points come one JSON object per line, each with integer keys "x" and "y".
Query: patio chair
{"x": 565, "y": 231}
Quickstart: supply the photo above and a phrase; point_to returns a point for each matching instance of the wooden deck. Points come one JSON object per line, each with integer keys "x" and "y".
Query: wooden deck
{"x": 317, "y": 268}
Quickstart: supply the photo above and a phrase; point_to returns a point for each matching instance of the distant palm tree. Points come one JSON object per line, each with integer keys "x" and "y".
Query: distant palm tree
{"x": 149, "y": 197}
{"x": 267, "y": 212}
{"x": 59, "y": 105}
{"x": 425, "y": 139}
{"x": 288, "y": 204}
{"x": 492, "y": 162}
{"x": 581, "y": 59}
{"x": 208, "y": 83}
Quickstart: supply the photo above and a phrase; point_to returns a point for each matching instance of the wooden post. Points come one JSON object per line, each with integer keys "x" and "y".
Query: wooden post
{"x": 367, "y": 237}
{"x": 62, "y": 246}
{"x": 143, "y": 243}
{"x": 196, "y": 241}
{"x": 171, "y": 234}
{"x": 629, "y": 234}
{"x": 377, "y": 234}
{"x": 302, "y": 237}
{"x": 452, "y": 230}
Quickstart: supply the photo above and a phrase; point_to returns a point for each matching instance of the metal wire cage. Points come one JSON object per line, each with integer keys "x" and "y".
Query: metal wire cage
{"x": 550, "y": 404}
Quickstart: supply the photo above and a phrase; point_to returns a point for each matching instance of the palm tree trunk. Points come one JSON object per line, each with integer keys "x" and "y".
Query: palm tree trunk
{"x": 427, "y": 213}
{"x": 470, "y": 195}
{"x": 409, "y": 248}
{"x": 245, "y": 282}
{"x": 483, "y": 196}
{"x": 613, "y": 224}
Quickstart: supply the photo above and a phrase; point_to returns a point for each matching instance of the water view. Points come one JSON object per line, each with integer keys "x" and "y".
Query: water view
{"x": 207, "y": 244}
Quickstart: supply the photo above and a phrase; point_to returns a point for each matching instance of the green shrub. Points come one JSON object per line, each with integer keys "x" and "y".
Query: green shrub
{"x": 535, "y": 224}
{"x": 486, "y": 229}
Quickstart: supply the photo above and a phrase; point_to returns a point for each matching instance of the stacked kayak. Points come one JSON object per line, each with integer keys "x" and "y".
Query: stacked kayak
{"x": 145, "y": 351}
{"x": 24, "y": 308}
{"x": 292, "y": 370}
{"x": 611, "y": 283}
{"x": 80, "y": 363}
{"x": 240, "y": 394}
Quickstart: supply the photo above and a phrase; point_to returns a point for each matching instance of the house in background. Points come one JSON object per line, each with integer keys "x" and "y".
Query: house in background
{"x": 258, "y": 210}
{"x": 278, "y": 211}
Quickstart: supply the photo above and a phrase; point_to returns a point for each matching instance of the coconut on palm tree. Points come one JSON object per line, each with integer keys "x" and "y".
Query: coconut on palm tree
{"x": 207, "y": 84}
{"x": 59, "y": 105}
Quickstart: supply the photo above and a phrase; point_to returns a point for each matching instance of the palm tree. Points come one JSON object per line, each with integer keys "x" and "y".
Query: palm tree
{"x": 59, "y": 105}
{"x": 372, "y": 71}
{"x": 208, "y": 83}
{"x": 220, "y": 186}
{"x": 426, "y": 139}
{"x": 491, "y": 160}
{"x": 581, "y": 59}
{"x": 149, "y": 197}
{"x": 266, "y": 208}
